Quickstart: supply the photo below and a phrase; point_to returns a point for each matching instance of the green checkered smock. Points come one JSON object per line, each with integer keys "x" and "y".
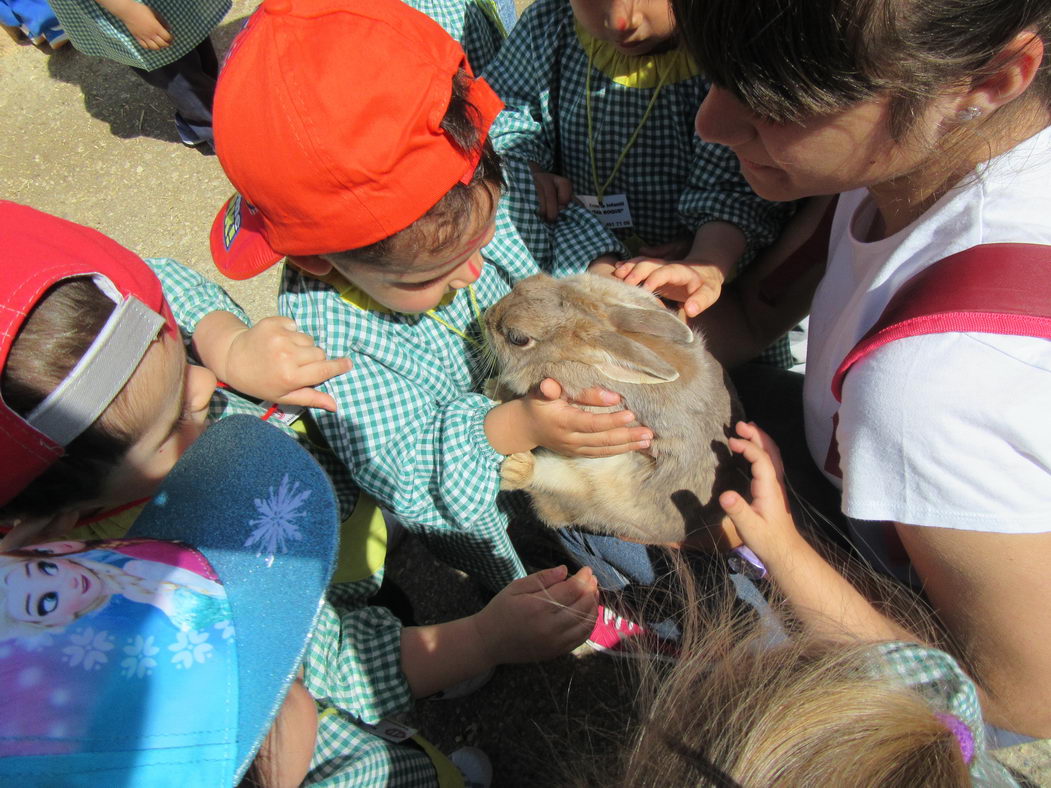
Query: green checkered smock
{"x": 674, "y": 182}
{"x": 474, "y": 23}
{"x": 352, "y": 669}
{"x": 352, "y": 666}
{"x": 95, "y": 31}
{"x": 940, "y": 681}
{"x": 410, "y": 416}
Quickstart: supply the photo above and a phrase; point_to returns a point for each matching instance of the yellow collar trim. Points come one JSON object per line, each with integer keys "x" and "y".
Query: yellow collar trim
{"x": 356, "y": 297}
{"x": 637, "y": 71}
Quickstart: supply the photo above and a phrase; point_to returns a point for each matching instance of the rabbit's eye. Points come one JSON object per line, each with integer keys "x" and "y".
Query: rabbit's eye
{"x": 518, "y": 339}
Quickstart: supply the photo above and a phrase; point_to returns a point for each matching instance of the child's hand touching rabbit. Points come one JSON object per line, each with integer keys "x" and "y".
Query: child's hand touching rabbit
{"x": 693, "y": 278}
{"x": 766, "y": 524}
{"x": 825, "y": 601}
{"x": 543, "y": 417}
{"x": 271, "y": 360}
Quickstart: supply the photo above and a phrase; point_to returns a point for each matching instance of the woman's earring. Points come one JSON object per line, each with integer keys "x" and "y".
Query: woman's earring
{"x": 967, "y": 114}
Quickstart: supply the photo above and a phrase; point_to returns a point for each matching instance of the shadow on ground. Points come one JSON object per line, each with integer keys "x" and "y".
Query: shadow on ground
{"x": 118, "y": 97}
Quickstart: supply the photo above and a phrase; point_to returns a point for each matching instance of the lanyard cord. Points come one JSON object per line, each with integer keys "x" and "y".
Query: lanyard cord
{"x": 477, "y": 313}
{"x": 600, "y": 191}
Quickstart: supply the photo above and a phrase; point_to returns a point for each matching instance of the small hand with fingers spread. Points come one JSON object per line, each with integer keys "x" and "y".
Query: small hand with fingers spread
{"x": 695, "y": 285}
{"x": 766, "y": 524}
{"x": 539, "y": 617}
{"x": 558, "y": 423}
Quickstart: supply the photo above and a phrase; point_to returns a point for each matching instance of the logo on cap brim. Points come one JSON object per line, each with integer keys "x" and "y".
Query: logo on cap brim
{"x": 238, "y": 240}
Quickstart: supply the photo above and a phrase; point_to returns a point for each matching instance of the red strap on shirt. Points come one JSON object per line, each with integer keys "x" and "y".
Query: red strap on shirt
{"x": 992, "y": 288}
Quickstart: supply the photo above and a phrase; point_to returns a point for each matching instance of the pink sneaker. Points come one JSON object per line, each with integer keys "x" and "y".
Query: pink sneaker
{"x": 621, "y": 637}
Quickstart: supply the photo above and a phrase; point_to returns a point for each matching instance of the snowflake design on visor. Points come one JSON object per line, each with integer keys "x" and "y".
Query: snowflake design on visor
{"x": 277, "y": 525}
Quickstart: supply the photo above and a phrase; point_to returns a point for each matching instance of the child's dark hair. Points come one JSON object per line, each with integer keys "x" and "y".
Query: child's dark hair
{"x": 54, "y": 337}
{"x": 440, "y": 228}
{"x": 788, "y": 60}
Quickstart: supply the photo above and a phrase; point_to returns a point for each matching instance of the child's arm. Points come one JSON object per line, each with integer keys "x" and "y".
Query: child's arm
{"x": 535, "y": 618}
{"x": 695, "y": 281}
{"x": 287, "y": 362}
{"x": 270, "y": 360}
{"x": 824, "y": 600}
{"x": 142, "y": 22}
{"x": 544, "y": 418}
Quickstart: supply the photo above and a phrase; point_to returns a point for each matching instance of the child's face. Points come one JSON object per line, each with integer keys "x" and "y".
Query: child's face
{"x": 634, "y": 27}
{"x": 49, "y": 590}
{"x": 415, "y": 284}
{"x": 168, "y": 409}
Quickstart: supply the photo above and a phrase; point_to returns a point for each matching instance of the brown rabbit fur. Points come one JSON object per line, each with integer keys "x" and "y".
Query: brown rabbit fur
{"x": 588, "y": 330}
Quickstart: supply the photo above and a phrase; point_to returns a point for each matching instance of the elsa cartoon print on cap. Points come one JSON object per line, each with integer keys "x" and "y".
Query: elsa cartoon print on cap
{"x": 162, "y": 658}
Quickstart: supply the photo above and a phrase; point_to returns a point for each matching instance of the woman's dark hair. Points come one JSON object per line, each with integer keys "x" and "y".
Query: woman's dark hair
{"x": 440, "y": 228}
{"x": 52, "y": 340}
{"x": 787, "y": 60}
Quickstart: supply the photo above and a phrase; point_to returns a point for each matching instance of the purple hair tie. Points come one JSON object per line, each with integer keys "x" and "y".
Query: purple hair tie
{"x": 962, "y": 733}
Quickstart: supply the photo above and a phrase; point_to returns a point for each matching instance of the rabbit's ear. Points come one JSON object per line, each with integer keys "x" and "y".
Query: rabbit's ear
{"x": 627, "y": 361}
{"x": 656, "y": 322}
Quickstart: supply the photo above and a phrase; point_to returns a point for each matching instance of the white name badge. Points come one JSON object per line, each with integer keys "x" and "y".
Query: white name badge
{"x": 286, "y": 414}
{"x": 612, "y": 211}
{"x": 389, "y": 729}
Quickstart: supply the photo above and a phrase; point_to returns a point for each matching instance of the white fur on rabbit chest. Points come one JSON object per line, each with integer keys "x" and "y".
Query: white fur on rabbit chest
{"x": 594, "y": 491}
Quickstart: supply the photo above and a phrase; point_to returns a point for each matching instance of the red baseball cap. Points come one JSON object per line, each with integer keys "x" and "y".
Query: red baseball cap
{"x": 327, "y": 121}
{"x": 36, "y": 251}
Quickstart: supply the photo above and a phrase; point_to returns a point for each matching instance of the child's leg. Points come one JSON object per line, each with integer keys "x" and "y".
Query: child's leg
{"x": 190, "y": 85}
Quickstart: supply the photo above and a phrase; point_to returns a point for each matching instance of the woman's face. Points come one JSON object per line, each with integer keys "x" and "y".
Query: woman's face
{"x": 169, "y": 410}
{"x": 849, "y": 149}
{"x": 49, "y": 590}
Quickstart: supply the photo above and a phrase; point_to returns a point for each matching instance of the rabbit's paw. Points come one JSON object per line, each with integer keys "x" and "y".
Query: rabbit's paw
{"x": 516, "y": 471}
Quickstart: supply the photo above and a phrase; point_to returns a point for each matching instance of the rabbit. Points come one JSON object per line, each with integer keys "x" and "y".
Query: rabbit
{"x": 589, "y": 330}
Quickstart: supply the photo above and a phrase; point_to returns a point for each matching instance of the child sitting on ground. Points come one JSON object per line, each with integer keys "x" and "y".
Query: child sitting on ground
{"x": 165, "y": 42}
{"x": 98, "y": 404}
{"x": 600, "y": 100}
{"x": 384, "y": 193}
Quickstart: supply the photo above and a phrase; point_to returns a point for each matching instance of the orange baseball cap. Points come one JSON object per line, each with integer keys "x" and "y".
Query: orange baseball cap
{"x": 327, "y": 121}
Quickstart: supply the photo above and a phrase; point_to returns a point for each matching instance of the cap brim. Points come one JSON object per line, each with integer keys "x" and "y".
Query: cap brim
{"x": 238, "y": 241}
{"x": 263, "y": 512}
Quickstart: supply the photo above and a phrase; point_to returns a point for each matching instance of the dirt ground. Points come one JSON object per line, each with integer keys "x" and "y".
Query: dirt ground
{"x": 84, "y": 138}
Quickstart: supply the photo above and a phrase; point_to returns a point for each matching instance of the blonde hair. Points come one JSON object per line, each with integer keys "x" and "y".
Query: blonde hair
{"x": 734, "y": 710}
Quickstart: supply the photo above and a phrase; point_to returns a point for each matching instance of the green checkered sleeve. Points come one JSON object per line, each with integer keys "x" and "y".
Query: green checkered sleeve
{"x": 191, "y": 295}
{"x": 716, "y": 191}
{"x": 469, "y": 22}
{"x": 352, "y": 669}
{"x": 938, "y": 678}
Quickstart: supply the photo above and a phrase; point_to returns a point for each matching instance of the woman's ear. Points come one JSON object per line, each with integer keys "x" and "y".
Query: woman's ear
{"x": 311, "y": 264}
{"x": 1013, "y": 71}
